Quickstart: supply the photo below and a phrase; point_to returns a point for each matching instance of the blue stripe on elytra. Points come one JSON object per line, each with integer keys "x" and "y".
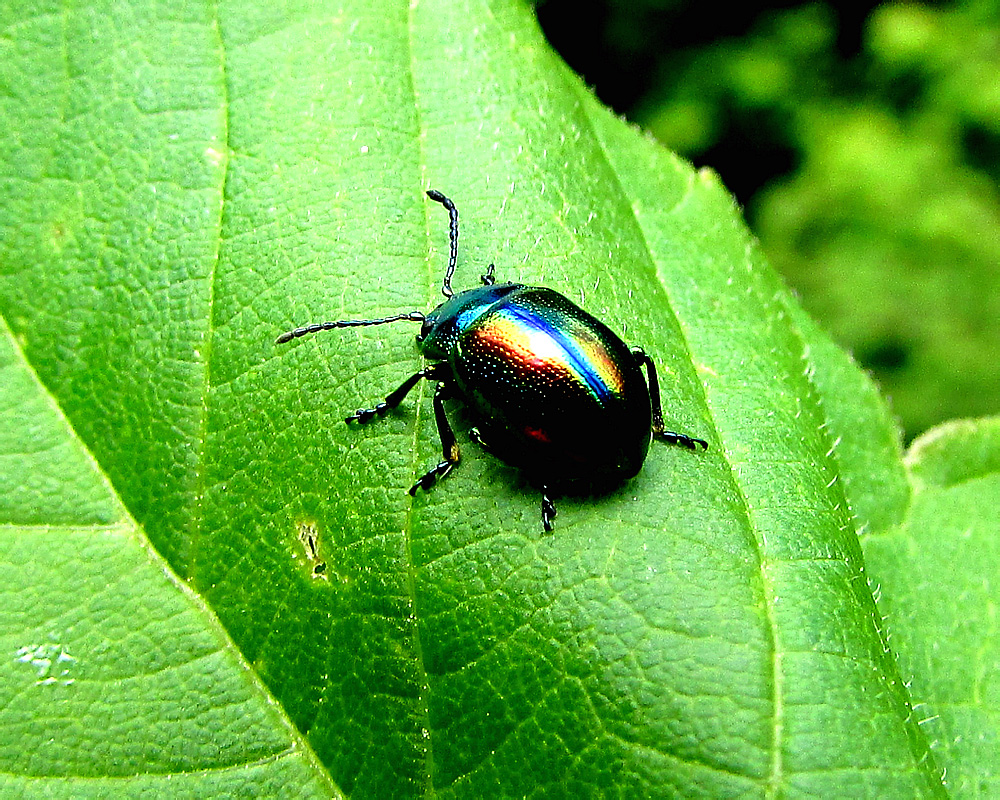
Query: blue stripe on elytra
{"x": 577, "y": 360}
{"x": 464, "y": 320}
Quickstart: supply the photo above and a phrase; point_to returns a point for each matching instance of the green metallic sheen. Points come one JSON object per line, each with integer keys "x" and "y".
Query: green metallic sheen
{"x": 555, "y": 391}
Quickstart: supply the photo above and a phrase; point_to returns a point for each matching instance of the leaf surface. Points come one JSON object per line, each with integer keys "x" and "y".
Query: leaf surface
{"x": 937, "y": 577}
{"x": 183, "y": 183}
{"x": 115, "y": 678}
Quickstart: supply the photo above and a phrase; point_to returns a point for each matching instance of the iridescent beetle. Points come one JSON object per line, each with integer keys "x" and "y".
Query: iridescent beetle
{"x": 555, "y": 392}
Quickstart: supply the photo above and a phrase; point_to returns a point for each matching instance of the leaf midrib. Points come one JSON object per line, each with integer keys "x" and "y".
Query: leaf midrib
{"x": 773, "y": 782}
{"x": 410, "y": 582}
{"x": 196, "y": 524}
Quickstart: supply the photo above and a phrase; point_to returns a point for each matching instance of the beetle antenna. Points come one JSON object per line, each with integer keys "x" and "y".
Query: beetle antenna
{"x": 437, "y": 197}
{"x": 305, "y": 330}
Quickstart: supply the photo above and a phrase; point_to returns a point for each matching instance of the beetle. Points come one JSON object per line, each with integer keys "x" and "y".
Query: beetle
{"x": 555, "y": 392}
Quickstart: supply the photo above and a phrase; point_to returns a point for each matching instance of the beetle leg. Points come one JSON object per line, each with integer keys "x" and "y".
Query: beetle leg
{"x": 476, "y": 435}
{"x": 367, "y": 414}
{"x": 449, "y": 446}
{"x": 488, "y": 279}
{"x": 670, "y": 437}
{"x": 548, "y": 510}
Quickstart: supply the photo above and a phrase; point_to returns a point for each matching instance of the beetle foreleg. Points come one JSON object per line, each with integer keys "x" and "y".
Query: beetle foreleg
{"x": 548, "y": 510}
{"x": 670, "y": 437}
{"x": 367, "y": 414}
{"x": 449, "y": 446}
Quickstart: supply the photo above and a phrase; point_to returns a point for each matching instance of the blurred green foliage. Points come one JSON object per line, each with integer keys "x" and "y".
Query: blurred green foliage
{"x": 868, "y": 160}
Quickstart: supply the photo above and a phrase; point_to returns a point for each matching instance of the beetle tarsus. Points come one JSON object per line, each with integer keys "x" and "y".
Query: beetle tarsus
{"x": 488, "y": 278}
{"x": 428, "y": 479}
{"x": 364, "y": 415}
{"x": 672, "y": 437}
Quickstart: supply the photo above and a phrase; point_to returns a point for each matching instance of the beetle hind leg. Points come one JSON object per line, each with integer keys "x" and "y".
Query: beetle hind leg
{"x": 670, "y": 437}
{"x": 548, "y": 510}
{"x": 449, "y": 446}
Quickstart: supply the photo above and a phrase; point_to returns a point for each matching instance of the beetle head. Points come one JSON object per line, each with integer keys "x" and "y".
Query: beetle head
{"x": 445, "y": 324}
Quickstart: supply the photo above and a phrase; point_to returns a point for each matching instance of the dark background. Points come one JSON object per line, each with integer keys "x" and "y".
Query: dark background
{"x": 863, "y": 141}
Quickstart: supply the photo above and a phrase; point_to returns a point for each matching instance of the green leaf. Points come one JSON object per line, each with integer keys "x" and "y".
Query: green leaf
{"x": 864, "y": 438}
{"x": 182, "y": 183}
{"x": 115, "y": 679}
{"x": 937, "y": 572}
